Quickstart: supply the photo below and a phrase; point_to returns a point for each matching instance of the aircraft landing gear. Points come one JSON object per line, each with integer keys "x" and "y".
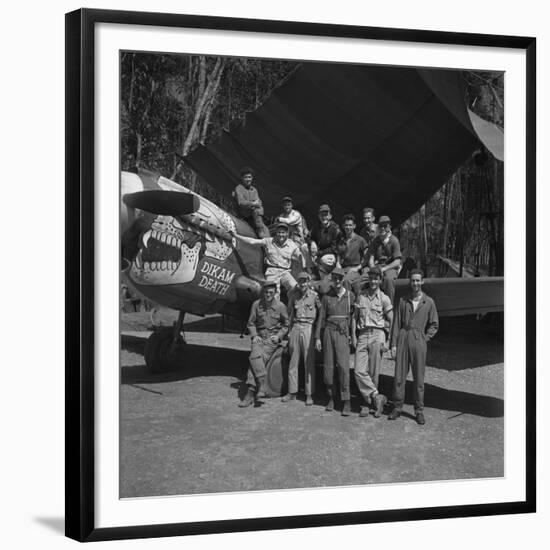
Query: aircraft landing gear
{"x": 163, "y": 349}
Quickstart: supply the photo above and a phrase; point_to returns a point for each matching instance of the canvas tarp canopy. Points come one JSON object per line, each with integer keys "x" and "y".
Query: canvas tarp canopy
{"x": 350, "y": 136}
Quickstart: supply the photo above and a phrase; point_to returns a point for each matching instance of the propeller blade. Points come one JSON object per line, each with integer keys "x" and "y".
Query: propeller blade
{"x": 168, "y": 203}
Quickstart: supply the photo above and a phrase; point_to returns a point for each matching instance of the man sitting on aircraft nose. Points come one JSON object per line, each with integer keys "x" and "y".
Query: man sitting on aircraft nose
{"x": 268, "y": 325}
{"x": 248, "y": 202}
{"x": 324, "y": 241}
{"x": 280, "y": 252}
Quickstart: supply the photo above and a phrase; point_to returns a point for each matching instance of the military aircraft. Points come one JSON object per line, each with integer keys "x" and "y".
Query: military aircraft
{"x": 178, "y": 249}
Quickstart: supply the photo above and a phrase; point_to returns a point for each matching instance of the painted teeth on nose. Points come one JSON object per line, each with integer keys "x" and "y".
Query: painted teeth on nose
{"x": 163, "y": 237}
{"x": 164, "y": 266}
{"x": 146, "y": 238}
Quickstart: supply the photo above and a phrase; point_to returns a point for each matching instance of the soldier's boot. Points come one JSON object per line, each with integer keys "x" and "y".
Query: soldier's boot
{"x": 288, "y": 397}
{"x": 248, "y": 399}
{"x": 346, "y": 409}
{"x": 262, "y": 386}
{"x": 330, "y": 402}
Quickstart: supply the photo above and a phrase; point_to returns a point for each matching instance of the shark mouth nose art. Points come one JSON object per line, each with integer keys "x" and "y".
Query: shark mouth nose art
{"x": 169, "y": 253}
{"x": 163, "y": 252}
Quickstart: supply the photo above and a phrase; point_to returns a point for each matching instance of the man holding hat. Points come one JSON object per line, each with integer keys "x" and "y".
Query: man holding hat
{"x": 268, "y": 325}
{"x": 303, "y": 307}
{"x": 373, "y": 316}
{"x": 248, "y": 201}
{"x": 335, "y": 318}
{"x": 280, "y": 252}
{"x": 324, "y": 241}
{"x": 385, "y": 252}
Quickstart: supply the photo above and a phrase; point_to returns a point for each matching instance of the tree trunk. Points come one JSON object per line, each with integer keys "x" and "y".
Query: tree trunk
{"x": 202, "y": 101}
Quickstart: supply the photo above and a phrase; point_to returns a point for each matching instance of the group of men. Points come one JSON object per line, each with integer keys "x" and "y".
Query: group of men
{"x": 356, "y": 311}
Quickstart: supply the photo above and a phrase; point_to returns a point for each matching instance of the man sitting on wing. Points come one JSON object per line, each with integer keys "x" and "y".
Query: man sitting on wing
{"x": 248, "y": 201}
{"x": 385, "y": 252}
{"x": 268, "y": 325}
{"x": 324, "y": 241}
{"x": 369, "y": 229}
{"x": 352, "y": 249}
{"x": 280, "y": 252}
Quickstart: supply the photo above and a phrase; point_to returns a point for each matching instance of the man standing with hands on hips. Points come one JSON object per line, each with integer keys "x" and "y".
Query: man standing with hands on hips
{"x": 415, "y": 323}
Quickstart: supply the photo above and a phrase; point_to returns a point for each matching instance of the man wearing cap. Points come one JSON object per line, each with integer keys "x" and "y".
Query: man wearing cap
{"x": 248, "y": 202}
{"x": 280, "y": 252}
{"x": 267, "y": 325}
{"x": 324, "y": 241}
{"x": 385, "y": 252}
{"x": 351, "y": 249}
{"x": 303, "y": 307}
{"x": 335, "y": 317}
{"x": 369, "y": 229}
{"x": 372, "y": 317}
{"x": 298, "y": 231}
{"x": 416, "y": 323}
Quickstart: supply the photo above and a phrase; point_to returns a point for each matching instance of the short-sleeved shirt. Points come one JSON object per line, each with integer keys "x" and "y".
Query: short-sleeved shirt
{"x": 303, "y": 307}
{"x": 326, "y": 237}
{"x": 335, "y": 310}
{"x": 244, "y": 197}
{"x": 268, "y": 320}
{"x": 371, "y": 311}
{"x": 369, "y": 233}
{"x": 386, "y": 250}
{"x": 355, "y": 249}
{"x": 280, "y": 256}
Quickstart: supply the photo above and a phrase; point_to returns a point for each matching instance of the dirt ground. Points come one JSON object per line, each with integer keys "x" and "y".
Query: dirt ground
{"x": 182, "y": 432}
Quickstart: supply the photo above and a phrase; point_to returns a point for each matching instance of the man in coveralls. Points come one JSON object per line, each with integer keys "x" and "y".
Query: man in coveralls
{"x": 415, "y": 323}
{"x": 268, "y": 325}
{"x": 303, "y": 307}
{"x": 372, "y": 317}
{"x": 335, "y": 318}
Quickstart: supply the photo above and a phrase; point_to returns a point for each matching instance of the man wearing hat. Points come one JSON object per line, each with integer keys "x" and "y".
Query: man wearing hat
{"x": 324, "y": 241}
{"x": 298, "y": 230}
{"x": 385, "y": 252}
{"x": 248, "y": 201}
{"x": 280, "y": 252}
{"x": 303, "y": 307}
{"x": 267, "y": 325}
{"x": 372, "y": 318}
{"x": 335, "y": 317}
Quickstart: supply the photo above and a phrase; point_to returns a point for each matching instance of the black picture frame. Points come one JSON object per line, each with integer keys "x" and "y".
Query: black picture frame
{"x": 80, "y": 352}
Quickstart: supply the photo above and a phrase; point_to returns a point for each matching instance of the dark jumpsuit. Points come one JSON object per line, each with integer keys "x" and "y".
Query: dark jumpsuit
{"x": 335, "y": 317}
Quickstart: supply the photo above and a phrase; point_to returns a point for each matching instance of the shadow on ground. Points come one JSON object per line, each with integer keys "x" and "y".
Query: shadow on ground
{"x": 206, "y": 361}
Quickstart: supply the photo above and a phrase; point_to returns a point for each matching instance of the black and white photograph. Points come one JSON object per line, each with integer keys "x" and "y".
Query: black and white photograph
{"x": 312, "y": 274}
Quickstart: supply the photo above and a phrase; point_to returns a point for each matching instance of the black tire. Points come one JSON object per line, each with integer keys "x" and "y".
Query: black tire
{"x": 160, "y": 355}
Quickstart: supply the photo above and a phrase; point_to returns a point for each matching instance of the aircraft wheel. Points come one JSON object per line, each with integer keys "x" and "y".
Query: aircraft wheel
{"x": 160, "y": 353}
{"x": 277, "y": 371}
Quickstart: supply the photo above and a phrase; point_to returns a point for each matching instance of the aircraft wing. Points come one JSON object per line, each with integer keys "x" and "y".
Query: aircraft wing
{"x": 351, "y": 136}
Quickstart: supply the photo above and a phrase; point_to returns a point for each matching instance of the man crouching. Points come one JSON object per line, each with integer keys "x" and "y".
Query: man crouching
{"x": 268, "y": 325}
